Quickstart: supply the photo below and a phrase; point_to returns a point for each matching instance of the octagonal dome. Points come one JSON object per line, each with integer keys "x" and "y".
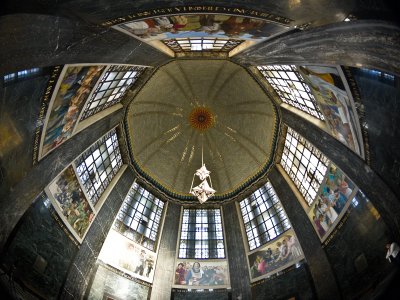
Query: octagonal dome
{"x": 188, "y": 105}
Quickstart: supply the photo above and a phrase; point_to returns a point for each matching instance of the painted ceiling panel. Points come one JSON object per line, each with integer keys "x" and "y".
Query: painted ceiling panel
{"x": 240, "y": 124}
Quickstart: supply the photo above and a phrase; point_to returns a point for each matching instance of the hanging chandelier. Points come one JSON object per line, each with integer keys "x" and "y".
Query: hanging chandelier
{"x": 204, "y": 190}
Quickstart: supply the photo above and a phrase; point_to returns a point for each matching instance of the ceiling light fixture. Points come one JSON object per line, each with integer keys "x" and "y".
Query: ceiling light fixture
{"x": 204, "y": 190}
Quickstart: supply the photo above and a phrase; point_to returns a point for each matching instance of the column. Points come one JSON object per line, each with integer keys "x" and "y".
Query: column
{"x": 319, "y": 266}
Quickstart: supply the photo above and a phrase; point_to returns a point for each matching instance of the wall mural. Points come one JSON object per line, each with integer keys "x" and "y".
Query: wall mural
{"x": 201, "y": 274}
{"x": 275, "y": 256}
{"x": 73, "y": 89}
{"x": 70, "y": 202}
{"x": 334, "y": 197}
{"x": 333, "y": 96}
{"x": 130, "y": 258}
{"x": 201, "y": 26}
{"x": 110, "y": 283}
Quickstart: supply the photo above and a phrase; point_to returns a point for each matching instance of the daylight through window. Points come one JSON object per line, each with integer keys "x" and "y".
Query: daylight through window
{"x": 291, "y": 88}
{"x": 97, "y": 166}
{"x": 263, "y": 216}
{"x": 202, "y": 44}
{"x": 201, "y": 234}
{"x": 304, "y": 163}
{"x": 111, "y": 88}
{"x": 140, "y": 217}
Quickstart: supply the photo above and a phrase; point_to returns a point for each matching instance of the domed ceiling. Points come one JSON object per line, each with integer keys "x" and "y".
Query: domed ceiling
{"x": 190, "y": 104}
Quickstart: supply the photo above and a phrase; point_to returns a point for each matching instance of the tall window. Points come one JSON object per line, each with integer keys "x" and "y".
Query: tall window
{"x": 111, "y": 88}
{"x": 23, "y": 74}
{"x": 291, "y": 88}
{"x": 304, "y": 163}
{"x": 202, "y": 44}
{"x": 97, "y": 166}
{"x": 201, "y": 234}
{"x": 263, "y": 216}
{"x": 140, "y": 216}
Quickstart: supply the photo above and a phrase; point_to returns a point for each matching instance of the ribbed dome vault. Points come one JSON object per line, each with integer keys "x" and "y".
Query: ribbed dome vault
{"x": 188, "y": 103}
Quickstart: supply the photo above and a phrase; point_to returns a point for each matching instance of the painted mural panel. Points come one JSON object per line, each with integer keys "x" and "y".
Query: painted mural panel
{"x": 334, "y": 197}
{"x": 70, "y": 202}
{"x": 328, "y": 86}
{"x": 219, "y": 26}
{"x": 275, "y": 256}
{"x": 201, "y": 274}
{"x": 131, "y": 258}
{"x": 108, "y": 283}
{"x": 73, "y": 89}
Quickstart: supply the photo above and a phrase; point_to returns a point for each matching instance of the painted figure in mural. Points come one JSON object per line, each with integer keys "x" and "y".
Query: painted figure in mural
{"x": 149, "y": 266}
{"x": 332, "y": 98}
{"x": 72, "y": 94}
{"x": 254, "y": 270}
{"x": 284, "y": 252}
{"x": 392, "y": 253}
{"x": 194, "y": 274}
{"x": 180, "y": 274}
{"x": 317, "y": 222}
{"x": 293, "y": 247}
{"x": 261, "y": 264}
{"x": 142, "y": 263}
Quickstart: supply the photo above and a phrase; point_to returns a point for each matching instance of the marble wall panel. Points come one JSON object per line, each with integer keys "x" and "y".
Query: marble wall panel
{"x": 238, "y": 270}
{"x": 381, "y": 100}
{"x": 358, "y": 265}
{"x": 165, "y": 269}
{"x": 294, "y": 283}
{"x": 39, "y": 252}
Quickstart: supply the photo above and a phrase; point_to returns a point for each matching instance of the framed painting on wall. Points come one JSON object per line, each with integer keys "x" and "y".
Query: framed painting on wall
{"x": 71, "y": 204}
{"x": 130, "y": 258}
{"x": 333, "y": 199}
{"x": 158, "y": 31}
{"x": 74, "y": 86}
{"x": 200, "y": 274}
{"x": 332, "y": 93}
{"x": 277, "y": 255}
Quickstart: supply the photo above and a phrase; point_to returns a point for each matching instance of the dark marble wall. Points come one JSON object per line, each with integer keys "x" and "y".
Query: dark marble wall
{"x": 56, "y": 40}
{"x": 318, "y": 263}
{"x": 381, "y": 100}
{"x": 40, "y": 175}
{"x": 109, "y": 283}
{"x": 39, "y": 252}
{"x": 368, "y": 43}
{"x": 165, "y": 268}
{"x": 360, "y": 264}
{"x": 84, "y": 262}
{"x": 19, "y": 111}
{"x": 238, "y": 270}
{"x": 295, "y": 282}
{"x": 306, "y": 11}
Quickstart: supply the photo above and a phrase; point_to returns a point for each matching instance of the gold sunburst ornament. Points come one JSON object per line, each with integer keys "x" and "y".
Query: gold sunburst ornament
{"x": 201, "y": 118}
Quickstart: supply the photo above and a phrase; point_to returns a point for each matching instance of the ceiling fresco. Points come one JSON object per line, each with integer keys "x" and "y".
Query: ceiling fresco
{"x": 193, "y": 104}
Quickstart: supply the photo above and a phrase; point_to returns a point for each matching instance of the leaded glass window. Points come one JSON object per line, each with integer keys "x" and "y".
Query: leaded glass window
{"x": 111, "y": 88}
{"x": 140, "y": 217}
{"x": 263, "y": 216}
{"x": 291, "y": 88}
{"x": 97, "y": 166}
{"x": 304, "y": 163}
{"x": 201, "y": 234}
{"x": 23, "y": 74}
{"x": 202, "y": 44}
